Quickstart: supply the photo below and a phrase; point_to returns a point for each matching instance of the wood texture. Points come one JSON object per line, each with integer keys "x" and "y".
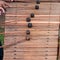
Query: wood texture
{"x": 28, "y": 8}
{"x": 44, "y": 32}
{"x": 34, "y": 0}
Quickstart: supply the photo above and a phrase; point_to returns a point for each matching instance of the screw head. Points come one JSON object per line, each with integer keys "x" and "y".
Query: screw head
{"x": 28, "y": 32}
{"x": 28, "y": 19}
{"x": 38, "y": 1}
{"x": 36, "y": 7}
{"x": 29, "y": 25}
{"x": 32, "y": 15}
{"x": 28, "y": 37}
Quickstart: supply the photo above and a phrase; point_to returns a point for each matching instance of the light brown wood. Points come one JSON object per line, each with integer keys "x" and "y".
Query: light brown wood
{"x": 44, "y": 33}
{"x": 34, "y": 0}
{"x": 28, "y": 8}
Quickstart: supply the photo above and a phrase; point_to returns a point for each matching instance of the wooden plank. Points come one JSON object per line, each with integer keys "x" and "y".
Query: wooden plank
{"x": 34, "y": 58}
{"x": 34, "y": 0}
{"x": 24, "y": 49}
{"x": 27, "y": 9}
{"x": 33, "y": 33}
{"x": 35, "y": 19}
{"x": 30, "y": 6}
{"x": 42, "y": 27}
{"x": 30, "y": 53}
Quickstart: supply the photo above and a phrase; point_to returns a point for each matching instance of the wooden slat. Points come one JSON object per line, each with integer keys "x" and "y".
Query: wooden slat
{"x": 34, "y": 0}
{"x": 34, "y": 58}
{"x": 36, "y": 18}
{"x": 31, "y": 7}
{"x": 22, "y": 33}
{"x": 24, "y": 49}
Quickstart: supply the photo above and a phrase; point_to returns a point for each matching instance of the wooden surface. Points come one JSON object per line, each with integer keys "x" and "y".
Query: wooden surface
{"x": 35, "y": 0}
{"x": 28, "y": 8}
{"x": 44, "y": 33}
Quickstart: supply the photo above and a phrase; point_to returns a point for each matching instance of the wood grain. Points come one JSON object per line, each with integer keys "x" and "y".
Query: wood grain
{"x": 43, "y": 35}
{"x": 34, "y": 0}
